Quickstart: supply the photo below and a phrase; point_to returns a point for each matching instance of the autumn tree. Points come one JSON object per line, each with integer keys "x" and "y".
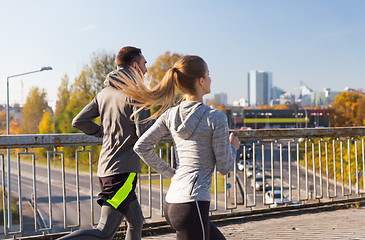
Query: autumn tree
{"x": 46, "y": 124}
{"x": 71, "y": 99}
{"x": 360, "y": 116}
{"x": 2, "y": 122}
{"x": 33, "y": 110}
{"x": 160, "y": 66}
{"x": 14, "y": 127}
{"x": 348, "y": 109}
{"x": 63, "y": 97}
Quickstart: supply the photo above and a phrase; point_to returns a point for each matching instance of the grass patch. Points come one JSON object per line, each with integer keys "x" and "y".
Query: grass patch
{"x": 14, "y": 209}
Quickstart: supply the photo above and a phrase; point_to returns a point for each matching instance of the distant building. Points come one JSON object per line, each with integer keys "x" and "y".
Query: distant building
{"x": 221, "y": 98}
{"x": 17, "y": 112}
{"x": 305, "y": 95}
{"x": 270, "y": 118}
{"x": 324, "y": 98}
{"x": 240, "y": 103}
{"x": 287, "y": 97}
{"x": 283, "y": 98}
{"x": 276, "y": 92}
{"x": 259, "y": 87}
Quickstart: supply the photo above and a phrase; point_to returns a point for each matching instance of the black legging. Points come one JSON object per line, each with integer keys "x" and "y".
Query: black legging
{"x": 189, "y": 220}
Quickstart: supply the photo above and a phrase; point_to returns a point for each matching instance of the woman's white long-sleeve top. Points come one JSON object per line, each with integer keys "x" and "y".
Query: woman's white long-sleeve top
{"x": 201, "y": 138}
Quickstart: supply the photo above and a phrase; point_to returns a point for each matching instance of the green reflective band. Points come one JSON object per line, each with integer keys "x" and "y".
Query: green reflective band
{"x": 123, "y": 192}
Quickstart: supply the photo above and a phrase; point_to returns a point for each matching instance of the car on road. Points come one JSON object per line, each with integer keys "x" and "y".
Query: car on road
{"x": 277, "y": 198}
{"x": 241, "y": 165}
{"x": 258, "y": 183}
{"x": 249, "y": 170}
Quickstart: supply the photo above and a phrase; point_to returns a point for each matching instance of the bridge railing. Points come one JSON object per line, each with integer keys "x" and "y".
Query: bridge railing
{"x": 274, "y": 167}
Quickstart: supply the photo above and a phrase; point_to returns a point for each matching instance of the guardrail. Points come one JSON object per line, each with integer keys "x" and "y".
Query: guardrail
{"x": 275, "y": 167}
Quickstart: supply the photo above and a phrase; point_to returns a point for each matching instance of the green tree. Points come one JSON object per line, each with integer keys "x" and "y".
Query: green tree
{"x": 33, "y": 110}
{"x": 71, "y": 99}
{"x": 63, "y": 97}
{"x": 101, "y": 64}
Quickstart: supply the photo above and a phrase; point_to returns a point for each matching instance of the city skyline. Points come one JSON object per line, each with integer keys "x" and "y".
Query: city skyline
{"x": 259, "y": 87}
{"x": 317, "y": 42}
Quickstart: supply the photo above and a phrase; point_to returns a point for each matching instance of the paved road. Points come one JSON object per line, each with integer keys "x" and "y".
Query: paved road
{"x": 57, "y": 199}
{"x": 338, "y": 224}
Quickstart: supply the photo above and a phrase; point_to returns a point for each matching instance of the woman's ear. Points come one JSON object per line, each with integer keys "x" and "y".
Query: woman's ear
{"x": 201, "y": 81}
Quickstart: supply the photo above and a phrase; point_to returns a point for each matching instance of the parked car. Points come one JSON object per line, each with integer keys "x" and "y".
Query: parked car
{"x": 241, "y": 166}
{"x": 277, "y": 198}
{"x": 249, "y": 171}
{"x": 259, "y": 183}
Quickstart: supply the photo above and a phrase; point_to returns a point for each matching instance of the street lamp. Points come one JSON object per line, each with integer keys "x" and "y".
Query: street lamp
{"x": 8, "y": 133}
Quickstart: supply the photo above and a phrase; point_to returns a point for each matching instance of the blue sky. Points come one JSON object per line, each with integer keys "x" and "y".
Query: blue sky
{"x": 319, "y": 42}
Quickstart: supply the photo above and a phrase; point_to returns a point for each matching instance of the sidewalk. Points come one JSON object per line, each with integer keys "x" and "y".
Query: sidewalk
{"x": 335, "y": 224}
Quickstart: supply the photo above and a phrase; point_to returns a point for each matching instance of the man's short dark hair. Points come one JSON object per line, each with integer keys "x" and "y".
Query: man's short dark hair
{"x": 127, "y": 56}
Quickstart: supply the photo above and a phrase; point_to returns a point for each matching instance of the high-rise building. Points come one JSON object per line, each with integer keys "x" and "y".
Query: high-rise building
{"x": 221, "y": 98}
{"x": 259, "y": 87}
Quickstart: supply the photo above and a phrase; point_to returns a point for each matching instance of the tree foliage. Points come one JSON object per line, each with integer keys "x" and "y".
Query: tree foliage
{"x": 46, "y": 124}
{"x": 71, "y": 99}
{"x": 33, "y": 110}
{"x": 14, "y": 127}
{"x": 2, "y": 122}
{"x": 159, "y": 68}
{"x": 63, "y": 95}
{"x": 348, "y": 109}
{"x": 101, "y": 64}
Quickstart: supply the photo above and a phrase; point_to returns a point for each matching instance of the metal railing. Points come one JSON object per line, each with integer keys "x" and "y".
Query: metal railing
{"x": 275, "y": 167}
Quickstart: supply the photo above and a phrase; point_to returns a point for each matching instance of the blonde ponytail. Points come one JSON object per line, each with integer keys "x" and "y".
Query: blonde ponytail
{"x": 183, "y": 75}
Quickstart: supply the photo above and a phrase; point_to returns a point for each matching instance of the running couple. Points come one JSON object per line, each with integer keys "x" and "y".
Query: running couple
{"x": 200, "y": 135}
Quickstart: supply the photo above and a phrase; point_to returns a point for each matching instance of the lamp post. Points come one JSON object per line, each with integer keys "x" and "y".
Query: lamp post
{"x": 8, "y": 133}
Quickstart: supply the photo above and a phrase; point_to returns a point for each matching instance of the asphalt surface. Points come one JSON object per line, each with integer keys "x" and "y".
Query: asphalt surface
{"x": 335, "y": 224}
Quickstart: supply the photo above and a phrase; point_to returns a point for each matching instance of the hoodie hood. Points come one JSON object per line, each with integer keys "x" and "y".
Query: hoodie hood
{"x": 114, "y": 77}
{"x": 188, "y": 116}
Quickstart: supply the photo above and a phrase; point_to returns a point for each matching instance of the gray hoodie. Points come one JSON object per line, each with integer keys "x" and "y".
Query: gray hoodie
{"x": 201, "y": 138}
{"x": 118, "y": 131}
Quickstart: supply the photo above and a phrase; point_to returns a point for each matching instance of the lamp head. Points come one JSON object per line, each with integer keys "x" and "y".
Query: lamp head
{"x": 46, "y": 68}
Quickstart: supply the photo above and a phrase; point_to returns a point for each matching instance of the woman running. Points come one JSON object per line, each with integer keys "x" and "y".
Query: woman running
{"x": 201, "y": 138}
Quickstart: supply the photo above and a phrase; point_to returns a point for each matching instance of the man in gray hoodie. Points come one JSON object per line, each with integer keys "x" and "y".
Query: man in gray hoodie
{"x": 118, "y": 165}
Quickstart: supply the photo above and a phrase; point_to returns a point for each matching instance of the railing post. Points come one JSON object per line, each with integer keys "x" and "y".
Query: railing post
{"x": 3, "y": 193}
